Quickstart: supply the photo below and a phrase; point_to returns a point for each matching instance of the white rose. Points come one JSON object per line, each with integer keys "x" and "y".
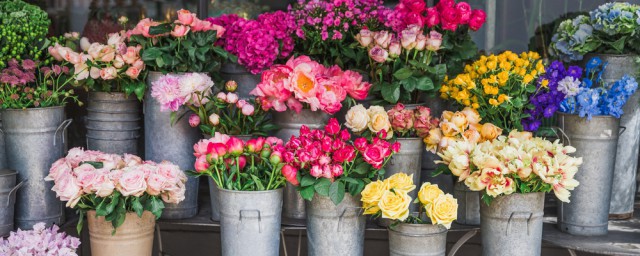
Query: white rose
{"x": 357, "y": 118}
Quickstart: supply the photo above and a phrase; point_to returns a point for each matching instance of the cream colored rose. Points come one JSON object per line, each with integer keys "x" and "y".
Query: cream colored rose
{"x": 472, "y": 115}
{"x": 472, "y": 136}
{"x": 395, "y": 205}
{"x": 446, "y": 115}
{"x": 357, "y": 118}
{"x": 379, "y": 120}
{"x": 400, "y": 182}
{"x": 428, "y": 193}
{"x": 449, "y": 129}
{"x": 473, "y": 182}
{"x": 443, "y": 210}
{"x": 373, "y": 192}
{"x": 460, "y": 121}
{"x": 433, "y": 139}
{"x": 490, "y": 131}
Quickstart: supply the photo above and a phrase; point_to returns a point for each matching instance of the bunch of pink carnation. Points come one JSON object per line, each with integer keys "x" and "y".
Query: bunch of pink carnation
{"x": 40, "y": 241}
{"x": 82, "y": 173}
{"x": 172, "y": 91}
{"x": 447, "y": 14}
{"x": 330, "y": 153}
{"x": 186, "y": 22}
{"x": 257, "y": 43}
{"x": 412, "y": 122}
{"x": 302, "y": 80}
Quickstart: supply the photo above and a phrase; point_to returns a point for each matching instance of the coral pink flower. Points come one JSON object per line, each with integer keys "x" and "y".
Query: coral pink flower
{"x": 291, "y": 174}
{"x": 185, "y": 17}
{"x": 272, "y": 91}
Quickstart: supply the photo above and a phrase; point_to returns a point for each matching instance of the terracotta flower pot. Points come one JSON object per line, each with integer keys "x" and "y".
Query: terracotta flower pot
{"x": 135, "y": 236}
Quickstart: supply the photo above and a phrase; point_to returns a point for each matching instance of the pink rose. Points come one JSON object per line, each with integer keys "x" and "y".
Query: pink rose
{"x": 75, "y": 156}
{"x": 67, "y": 189}
{"x": 171, "y": 173}
{"x": 194, "y": 120}
{"x": 434, "y": 41}
{"x": 131, "y": 55}
{"x": 108, "y": 73}
{"x": 144, "y": 25}
{"x": 413, "y": 18}
{"x": 173, "y": 193}
{"x": 155, "y": 184}
{"x": 401, "y": 119}
{"x": 94, "y": 50}
{"x": 132, "y": 160}
{"x": 444, "y": 4}
{"x": 316, "y": 171}
{"x": 395, "y": 49}
{"x": 139, "y": 64}
{"x": 449, "y": 19}
{"x": 464, "y": 11}
{"x": 423, "y": 121}
{"x": 395, "y": 147}
{"x": 103, "y": 185}
{"x": 132, "y": 182}
{"x": 346, "y": 154}
{"x": 200, "y": 25}
{"x": 383, "y": 38}
{"x": 180, "y": 31}
{"x": 185, "y": 17}
{"x": 133, "y": 72}
{"x": 118, "y": 62}
{"x": 378, "y": 54}
{"x": 107, "y": 54}
{"x": 332, "y": 127}
{"x": 478, "y": 18}
{"x": 58, "y": 167}
{"x": 414, "y": 5}
{"x": 409, "y": 37}
{"x": 376, "y": 153}
{"x": 86, "y": 176}
{"x": 219, "y": 29}
{"x": 336, "y": 170}
{"x": 365, "y": 37}
{"x": 53, "y": 51}
{"x": 433, "y": 17}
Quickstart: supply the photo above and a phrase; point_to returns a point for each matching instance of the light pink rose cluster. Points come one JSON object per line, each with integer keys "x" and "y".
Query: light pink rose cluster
{"x": 412, "y": 122}
{"x": 173, "y": 91}
{"x": 303, "y": 81}
{"x": 111, "y": 61}
{"x": 86, "y": 172}
{"x": 186, "y": 22}
{"x": 387, "y": 45}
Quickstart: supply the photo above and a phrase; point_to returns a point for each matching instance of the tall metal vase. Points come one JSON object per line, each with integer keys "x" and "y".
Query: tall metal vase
{"x": 8, "y": 189}
{"x": 335, "y": 230}
{"x": 245, "y": 79}
{"x": 174, "y": 143}
{"x": 35, "y": 138}
{"x": 468, "y": 204}
{"x": 113, "y": 123}
{"x": 595, "y": 141}
{"x": 289, "y": 123}
{"x": 624, "y": 175}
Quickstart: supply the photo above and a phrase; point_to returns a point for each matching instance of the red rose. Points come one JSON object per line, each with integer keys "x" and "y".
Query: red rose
{"x": 361, "y": 144}
{"x": 414, "y": 5}
{"x": 413, "y": 18}
{"x": 449, "y": 19}
{"x": 346, "y": 154}
{"x": 374, "y": 156}
{"x": 464, "y": 11}
{"x": 478, "y": 18}
{"x": 333, "y": 127}
{"x": 445, "y": 4}
{"x": 433, "y": 17}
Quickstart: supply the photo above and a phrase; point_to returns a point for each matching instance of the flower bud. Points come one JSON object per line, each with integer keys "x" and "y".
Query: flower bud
{"x": 231, "y": 86}
{"x": 214, "y": 119}
{"x": 194, "y": 120}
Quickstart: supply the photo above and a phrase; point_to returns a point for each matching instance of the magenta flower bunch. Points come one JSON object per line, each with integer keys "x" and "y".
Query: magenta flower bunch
{"x": 258, "y": 43}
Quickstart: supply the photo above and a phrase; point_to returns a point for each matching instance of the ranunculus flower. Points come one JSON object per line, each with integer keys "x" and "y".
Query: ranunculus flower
{"x": 478, "y": 18}
{"x": 394, "y": 205}
{"x": 132, "y": 182}
{"x": 180, "y": 31}
{"x": 443, "y": 210}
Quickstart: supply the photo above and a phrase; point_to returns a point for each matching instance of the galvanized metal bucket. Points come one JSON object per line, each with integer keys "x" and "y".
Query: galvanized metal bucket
{"x": 174, "y": 143}
{"x": 290, "y": 123}
{"x": 250, "y": 222}
{"x": 113, "y": 123}
{"x": 134, "y": 237}
{"x": 335, "y": 230}
{"x": 596, "y": 142}
{"x": 8, "y": 189}
{"x": 468, "y": 204}
{"x": 512, "y": 225}
{"x": 623, "y": 193}
{"x": 213, "y": 189}
{"x": 444, "y": 181}
{"x": 35, "y": 138}
{"x": 417, "y": 240}
{"x": 236, "y": 72}
{"x": 408, "y": 161}
{"x": 3, "y": 155}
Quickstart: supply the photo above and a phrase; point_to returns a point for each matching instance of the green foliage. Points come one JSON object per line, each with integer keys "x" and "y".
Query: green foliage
{"x": 23, "y": 27}
{"x": 259, "y": 174}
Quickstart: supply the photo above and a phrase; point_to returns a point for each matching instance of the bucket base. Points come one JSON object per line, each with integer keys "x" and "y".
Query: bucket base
{"x": 28, "y": 224}
{"x": 621, "y": 216}
{"x": 582, "y": 230}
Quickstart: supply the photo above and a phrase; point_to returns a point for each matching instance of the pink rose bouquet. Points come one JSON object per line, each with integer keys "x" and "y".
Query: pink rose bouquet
{"x": 92, "y": 180}
{"x": 303, "y": 81}
{"x": 319, "y": 161}
{"x": 40, "y": 241}
{"x": 111, "y": 67}
{"x": 185, "y": 45}
{"x": 258, "y": 43}
{"x": 518, "y": 163}
{"x": 326, "y": 29}
{"x": 254, "y": 165}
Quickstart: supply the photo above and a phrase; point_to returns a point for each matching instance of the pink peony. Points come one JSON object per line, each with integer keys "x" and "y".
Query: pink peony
{"x": 272, "y": 91}
{"x": 201, "y": 164}
{"x": 248, "y": 110}
{"x": 166, "y": 91}
{"x": 290, "y": 173}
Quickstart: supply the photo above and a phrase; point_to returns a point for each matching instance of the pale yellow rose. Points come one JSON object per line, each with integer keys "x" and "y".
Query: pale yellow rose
{"x": 472, "y": 115}
{"x": 446, "y": 115}
{"x": 460, "y": 121}
{"x": 472, "y": 136}
{"x": 490, "y": 131}
{"x": 433, "y": 139}
{"x": 443, "y": 210}
{"x": 449, "y": 129}
{"x": 357, "y": 118}
{"x": 373, "y": 192}
{"x": 370, "y": 208}
{"x": 400, "y": 182}
{"x": 379, "y": 120}
{"x": 428, "y": 193}
{"x": 395, "y": 205}
{"x": 520, "y": 135}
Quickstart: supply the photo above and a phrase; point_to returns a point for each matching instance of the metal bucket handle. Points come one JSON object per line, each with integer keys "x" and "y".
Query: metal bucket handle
{"x": 259, "y": 218}
{"x": 622, "y": 129}
{"x": 13, "y": 191}
{"x": 529, "y": 216}
{"x": 63, "y": 126}
{"x": 564, "y": 135}
{"x": 344, "y": 210}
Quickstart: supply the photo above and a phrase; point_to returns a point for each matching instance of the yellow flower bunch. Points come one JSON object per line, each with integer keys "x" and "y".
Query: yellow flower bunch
{"x": 390, "y": 199}
{"x": 462, "y": 125}
{"x": 498, "y": 86}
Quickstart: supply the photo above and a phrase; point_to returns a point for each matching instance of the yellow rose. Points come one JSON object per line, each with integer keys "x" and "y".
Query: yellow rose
{"x": 428, "y": 193}
{"x": 373, "y": 192}
{"x": 400, "y": 182}
{"x": 472, "y": 115}
{"x": 443, "y": 210}
{"x": 490, "y": 131}
{"x": 370, "y": 208}
{"x": 446, "y": 115}
{"x": 449, "y": 129}
{"x": 379, "y": 120}
{"x": 357, "y": 118}
{"x": 460, "y": 121}
{"x": 433, "y": 139}
{"x": 395, "y": 206}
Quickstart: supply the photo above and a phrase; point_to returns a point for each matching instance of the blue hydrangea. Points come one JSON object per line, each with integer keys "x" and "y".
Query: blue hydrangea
{"x": 615, "y": 18}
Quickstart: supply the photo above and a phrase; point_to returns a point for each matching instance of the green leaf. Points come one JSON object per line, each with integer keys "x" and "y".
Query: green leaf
{"x": 322, "y": 186}
{"x": 156, "y": 206}
{"x": 307, "y": 181}
{"x": 618, "y": 45}
{"x": 403, "y": 73}
{"x": 336, "y": 192}
{"x": 307, "y": 193}
{"x": 424, "y": 84}
{"x": 137, "y": 206}
{"x": 97, "y": 165}
{"x": 151, "y": 54}
{"x": 409, "y": 84}
{"x": 81, "y": 216}
{"x": 391, "y": 92}
{"x": 160, "y": 29}
{"x": 362, "y": 168}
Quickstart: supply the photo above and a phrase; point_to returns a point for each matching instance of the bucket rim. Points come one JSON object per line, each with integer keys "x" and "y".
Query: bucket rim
{"x": 594, "y": 116}
{"x": 250, "y": 192}
{"x": 8, "y": 172}
{"x": 610, "y": 55}
{"x": 440, "y": 229}
{"x": 32, "y": 109}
